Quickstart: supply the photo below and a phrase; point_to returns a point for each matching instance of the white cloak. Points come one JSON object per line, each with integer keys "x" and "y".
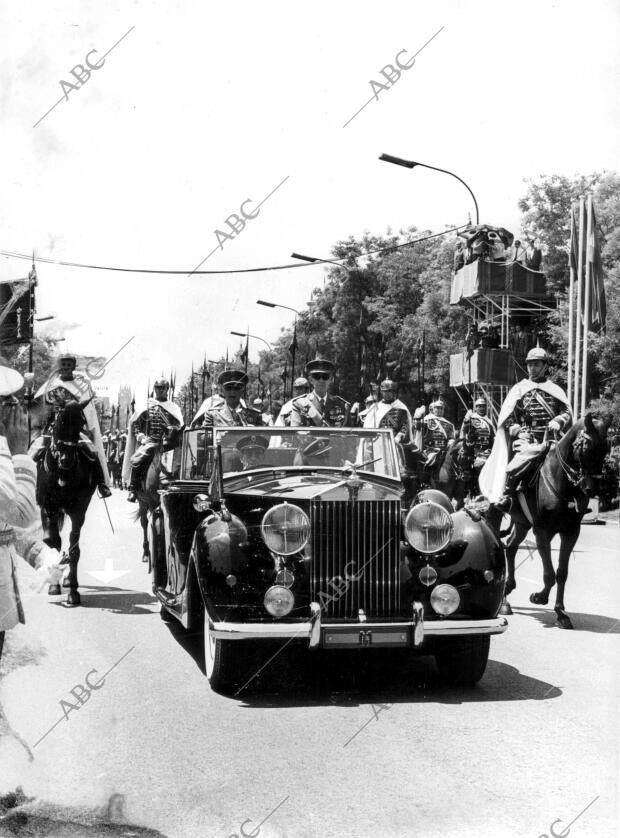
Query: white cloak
{"x": 492, "y": 478}
{"x": 174, "y": 411}
{"x": 378, "y": 410}
{"x": 80, "y": 389}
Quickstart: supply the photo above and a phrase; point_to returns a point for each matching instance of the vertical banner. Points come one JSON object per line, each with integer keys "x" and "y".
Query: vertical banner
{"x": 16, "y": 311}
{"x": 587, "y": 309}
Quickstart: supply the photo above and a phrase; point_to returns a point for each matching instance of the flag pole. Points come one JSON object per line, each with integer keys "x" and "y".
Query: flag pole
{"x": 579, "y": 306}
{"x": 586, "y": 307}
{"x": 571, "y": 307}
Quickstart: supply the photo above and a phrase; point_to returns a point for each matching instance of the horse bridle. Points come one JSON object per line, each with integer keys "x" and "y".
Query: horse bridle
{"x": 577, "y": 476}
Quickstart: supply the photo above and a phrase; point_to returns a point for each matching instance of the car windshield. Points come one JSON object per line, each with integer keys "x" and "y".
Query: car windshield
{"x": 250, "y": 448}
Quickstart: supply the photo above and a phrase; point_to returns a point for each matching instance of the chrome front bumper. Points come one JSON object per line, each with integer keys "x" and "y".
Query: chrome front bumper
{"x": 408, "y": 633}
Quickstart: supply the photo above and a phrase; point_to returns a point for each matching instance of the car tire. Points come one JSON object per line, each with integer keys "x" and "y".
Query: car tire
{"x": 165, "y": 615}
{"x": 463, "y": 660}
{"x": 221, "y": 660}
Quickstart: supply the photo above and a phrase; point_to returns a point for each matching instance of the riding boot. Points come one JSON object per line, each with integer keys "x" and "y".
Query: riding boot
{"x": 104, "y": 489}
{"x": 134, "y": 483}
{"x": 505, "y": 502}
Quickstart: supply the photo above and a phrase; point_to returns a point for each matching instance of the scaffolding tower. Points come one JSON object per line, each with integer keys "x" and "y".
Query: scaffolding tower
{"x": 505, "y": 303}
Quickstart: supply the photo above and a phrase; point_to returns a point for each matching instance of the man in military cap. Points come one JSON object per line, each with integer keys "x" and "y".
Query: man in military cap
{"x": 320, "y": 407}
{"x": 63, "y": 386}
{"x": 155, "y": 420}
{"x": 437, "y": 432}
{"x": 252, "y": 450}
{"x": 478, "y": 421}
{"x": 231, "y": 412}
{"x": 301, "y": 386}
{"x": 390, "y": 412}
{"x": 533, "y": 408}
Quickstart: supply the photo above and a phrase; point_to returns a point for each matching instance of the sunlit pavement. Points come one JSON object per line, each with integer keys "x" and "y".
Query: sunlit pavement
{"x": 343, "y": 746}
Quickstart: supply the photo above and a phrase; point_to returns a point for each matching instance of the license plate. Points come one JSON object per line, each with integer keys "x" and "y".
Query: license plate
{"x": 357, "y": 637}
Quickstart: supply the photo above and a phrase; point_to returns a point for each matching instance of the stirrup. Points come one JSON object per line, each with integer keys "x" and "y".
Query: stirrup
{"x": 132, "y": 496}
{"x": 104, "y": 490}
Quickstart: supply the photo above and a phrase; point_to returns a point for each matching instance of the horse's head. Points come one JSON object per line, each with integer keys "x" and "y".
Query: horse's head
{"x": 589, "y": 448}
{"x": 66, "y": 433}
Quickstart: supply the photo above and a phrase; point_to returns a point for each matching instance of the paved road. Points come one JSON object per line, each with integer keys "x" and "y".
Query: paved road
{"x": 535, "y": 742}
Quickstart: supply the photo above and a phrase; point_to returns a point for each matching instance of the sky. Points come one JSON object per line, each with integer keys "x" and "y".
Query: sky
{"x": 201, "y": 106}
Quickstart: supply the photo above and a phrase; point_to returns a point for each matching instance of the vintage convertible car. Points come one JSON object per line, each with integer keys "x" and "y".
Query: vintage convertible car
{"x": 303, "y": 534}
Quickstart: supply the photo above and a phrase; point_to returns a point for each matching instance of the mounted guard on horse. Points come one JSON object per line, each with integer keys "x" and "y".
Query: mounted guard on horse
{"x": 60, "y": 389}
{"x": 552, "y": 480}
{"x": 533, "y": 408}
{"x": 161, "y": 422}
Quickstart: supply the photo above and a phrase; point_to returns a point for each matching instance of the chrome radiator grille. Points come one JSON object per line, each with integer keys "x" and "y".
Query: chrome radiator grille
{"x": 365, "y": 534}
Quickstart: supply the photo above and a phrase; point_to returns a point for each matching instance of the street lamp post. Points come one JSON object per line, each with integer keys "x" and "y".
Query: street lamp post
{"x": 256, "y": 337}
{"x": 410, "y": 164}
{"x": 314, "y": 259}
{"x": 294, "y": 344}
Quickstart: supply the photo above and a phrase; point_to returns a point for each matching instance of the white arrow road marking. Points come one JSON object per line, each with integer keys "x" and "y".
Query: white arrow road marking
{"x": 108, "y": 573}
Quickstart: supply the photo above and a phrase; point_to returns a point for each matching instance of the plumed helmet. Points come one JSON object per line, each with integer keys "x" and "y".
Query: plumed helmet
{"x": 537, "y": 354}
{"x": 301, "y": 382}
{"x": 480, "y": 402}
{"x": 67, "y": 356}
{"x": 388, "y": 384}
{"x": 161, "y": 382}
{"x": 437, "y": 403}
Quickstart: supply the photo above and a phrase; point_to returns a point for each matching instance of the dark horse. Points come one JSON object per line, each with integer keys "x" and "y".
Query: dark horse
{"x": 557, "y": 497}
{"x": 148, "y": 497}
{"x": 453, "y": 474}
{"x": 65, "y": 484}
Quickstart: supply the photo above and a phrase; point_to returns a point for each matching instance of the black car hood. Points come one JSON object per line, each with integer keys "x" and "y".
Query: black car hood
{"x": 309, "y": 485}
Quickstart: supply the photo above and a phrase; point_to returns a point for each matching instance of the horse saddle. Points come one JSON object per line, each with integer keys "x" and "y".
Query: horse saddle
{"x": 525, "y": 465}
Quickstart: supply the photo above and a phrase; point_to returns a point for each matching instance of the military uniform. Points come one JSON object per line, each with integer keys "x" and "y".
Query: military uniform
{"x": 532, "y": 413}
{"x": 220, "y": 415}
{"x": 438, "y": 432}
{"x": 530, "y": 406}
{"x": 153, "y": 422}
{"x": 485, "y": 433}
{"x": 389, "y": 414}
{"x": 57, "y": 391}
{"x": 311, "y": 410}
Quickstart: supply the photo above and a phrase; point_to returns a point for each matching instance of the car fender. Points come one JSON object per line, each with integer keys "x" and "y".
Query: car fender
{"x": 217, "y": 551}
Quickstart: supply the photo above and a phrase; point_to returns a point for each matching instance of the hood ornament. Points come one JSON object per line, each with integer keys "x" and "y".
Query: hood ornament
{"x": 353, "y": 481}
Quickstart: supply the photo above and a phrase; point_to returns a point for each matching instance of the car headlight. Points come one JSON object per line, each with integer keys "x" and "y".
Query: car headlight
{"x": 285, "y": 529}
{"x": 428, "y": 527}
{"x": 279, "y": 601}
{"x": 445, "y": 599}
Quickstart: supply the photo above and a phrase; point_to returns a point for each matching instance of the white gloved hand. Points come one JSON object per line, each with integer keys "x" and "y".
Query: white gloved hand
{"x": 554, "y": 425}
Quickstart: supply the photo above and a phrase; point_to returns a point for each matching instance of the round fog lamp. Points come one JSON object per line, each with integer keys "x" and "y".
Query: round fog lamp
{"x": 428, "y": 527}
{"x": 445, "y": 599}
{"x": 279, "y": 601}
{"x": 285, "y": 529}
{"x": 285, "y": 578}
{"x": 428, "y": 575}
{"x": 201, "y": 503}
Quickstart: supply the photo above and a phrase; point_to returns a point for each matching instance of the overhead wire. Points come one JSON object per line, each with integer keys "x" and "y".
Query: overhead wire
{"x": 341, "y": 259}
